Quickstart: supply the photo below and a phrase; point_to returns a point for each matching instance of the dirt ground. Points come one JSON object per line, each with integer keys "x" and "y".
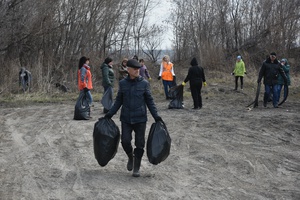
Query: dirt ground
{"x": 223, "y": 151}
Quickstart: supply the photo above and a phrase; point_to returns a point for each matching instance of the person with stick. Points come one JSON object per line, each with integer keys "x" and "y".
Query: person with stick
{"x": 269, "y": 71}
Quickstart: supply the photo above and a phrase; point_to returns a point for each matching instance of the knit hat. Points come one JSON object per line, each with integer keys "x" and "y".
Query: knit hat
{"x": 133, "y": 63}
{"x": 273, "y": 54}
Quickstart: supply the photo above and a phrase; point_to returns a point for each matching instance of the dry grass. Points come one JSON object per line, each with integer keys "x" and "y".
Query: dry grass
{"x": 216, "y": 82}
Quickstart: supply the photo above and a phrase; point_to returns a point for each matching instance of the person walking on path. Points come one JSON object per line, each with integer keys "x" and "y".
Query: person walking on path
{"x": 85, "y": 78}
{"x": 134, "y": 96}
{"x": 108, "y": 76}
{"x": 270, "y": 70}
{"x": 166, "y": 73}
{"x": 286, "y": 68}
{"x": 25, "y": 79}
{"x": 144, "y": 71}
{"x": 239, "y": 72}
{"x": 196, "y": 77}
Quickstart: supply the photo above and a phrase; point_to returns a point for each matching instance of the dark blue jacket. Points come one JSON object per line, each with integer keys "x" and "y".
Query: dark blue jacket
{"x": 134, "y": 96}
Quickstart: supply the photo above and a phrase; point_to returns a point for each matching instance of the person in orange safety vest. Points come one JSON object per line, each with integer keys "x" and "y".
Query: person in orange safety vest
{"x": 166, "y": 73}
{"x": 85, "y": 78}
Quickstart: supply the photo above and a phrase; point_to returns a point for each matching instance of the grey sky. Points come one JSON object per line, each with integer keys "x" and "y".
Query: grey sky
{"x": 159, "y": 15}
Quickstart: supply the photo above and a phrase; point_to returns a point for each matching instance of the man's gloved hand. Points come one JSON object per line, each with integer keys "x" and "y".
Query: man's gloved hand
{"x": 205, "y": 84}
{"x": 245, "y": 72}
{"x": 258, "y": 81}
{"x": 158, "y": 78}
{"x": 158, "y": 119}
{"x": 86, "y": 90}
{"x": 183, "y": 83}
{"x": 232, "y": 73}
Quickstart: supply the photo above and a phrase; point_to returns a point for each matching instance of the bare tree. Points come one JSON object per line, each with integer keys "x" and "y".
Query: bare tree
{"x": 229, "y": 27}
{"x": 152, "y": 43}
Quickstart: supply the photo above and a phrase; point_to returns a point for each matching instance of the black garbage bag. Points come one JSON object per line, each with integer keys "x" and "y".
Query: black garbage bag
{"x": 176, "y": 94}
{"x": 106, "y": 137}
{"x": 158, "y": 143}
{"x": 82, "y": 107}
{"x": 174, "y": 81}
{"x": 107, "y": 99}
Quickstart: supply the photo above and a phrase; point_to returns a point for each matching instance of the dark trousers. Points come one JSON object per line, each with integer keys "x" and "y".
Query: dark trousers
{"x": 196, "y": 94}
{"x": 167, "y": 86}
{"x": 126, "y": 138}
{"x": 236, "y": 81}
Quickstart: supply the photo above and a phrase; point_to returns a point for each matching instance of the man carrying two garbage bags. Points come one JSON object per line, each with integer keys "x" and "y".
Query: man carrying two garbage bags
{"x": 134, "y": 96}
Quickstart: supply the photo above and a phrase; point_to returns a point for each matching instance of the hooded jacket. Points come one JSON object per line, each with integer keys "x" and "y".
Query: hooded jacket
{"x": 195, "y": 73}
{"x": 286, "y": 69}
{"x": 270, "y": 72}
{"x": 239, "y": 69}
{"x": 134, "y": 96}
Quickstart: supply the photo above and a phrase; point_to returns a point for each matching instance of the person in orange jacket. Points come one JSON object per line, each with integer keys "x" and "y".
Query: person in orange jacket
{"x": 166, "y": 73}
{"x": 85, "y": 78}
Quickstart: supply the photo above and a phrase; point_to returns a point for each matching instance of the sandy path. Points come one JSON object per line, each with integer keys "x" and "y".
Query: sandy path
{"x": 218, "y": 152}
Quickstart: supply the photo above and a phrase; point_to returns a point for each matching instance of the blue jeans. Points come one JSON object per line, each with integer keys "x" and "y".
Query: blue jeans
{"x": 284, "y": 91}
{"x": 89, "y": 97}
{"x": 167, "y": 86}
{"x": 274, "y": 89}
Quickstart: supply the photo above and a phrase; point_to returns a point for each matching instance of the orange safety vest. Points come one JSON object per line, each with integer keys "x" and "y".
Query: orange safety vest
{"x": 167, "y": 71}
{"x": 87, "y": 82}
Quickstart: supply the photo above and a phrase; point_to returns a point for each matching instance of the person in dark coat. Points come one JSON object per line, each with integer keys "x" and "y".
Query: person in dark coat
{"x": 25, "y": 79}
{"x": 134, "y": 96}
{"x": 270, "y": 71}
{"x": 108, "y": 76}
{"x": 196, "y": 77}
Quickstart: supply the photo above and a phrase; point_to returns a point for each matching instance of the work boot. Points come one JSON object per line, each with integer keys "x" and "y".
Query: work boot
{"x": 136, "y": 167}
{"x": 130, "y": 161}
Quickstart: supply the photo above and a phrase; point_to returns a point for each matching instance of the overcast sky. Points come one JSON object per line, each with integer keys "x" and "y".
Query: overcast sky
{"x": 159, "y": 14}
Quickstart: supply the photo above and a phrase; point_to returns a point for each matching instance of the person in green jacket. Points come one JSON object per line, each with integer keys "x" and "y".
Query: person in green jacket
{"x": 280, "y": 81}
{"x": 108, "y": 76}
{"x": 239, "y": 71}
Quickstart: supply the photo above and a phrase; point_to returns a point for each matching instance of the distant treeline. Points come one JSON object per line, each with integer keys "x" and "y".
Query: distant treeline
{"x": 48, "y": 37}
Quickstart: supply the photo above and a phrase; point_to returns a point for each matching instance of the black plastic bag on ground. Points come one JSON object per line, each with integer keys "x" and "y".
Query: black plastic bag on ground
{"x": 106, "y": 138}
{"x": 107, "y": 99}
{"x": 82, "y": 107}
{"x": 158, "y": 143}
{"x": 176, "y": 94}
